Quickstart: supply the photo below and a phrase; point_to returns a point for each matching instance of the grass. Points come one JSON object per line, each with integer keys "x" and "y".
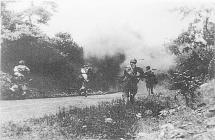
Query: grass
{"x": 108, "y": 120}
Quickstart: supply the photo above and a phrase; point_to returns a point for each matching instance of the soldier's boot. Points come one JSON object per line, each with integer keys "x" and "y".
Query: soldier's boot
{"x": 86, "y": 93}
{"x": 152, "y": 91}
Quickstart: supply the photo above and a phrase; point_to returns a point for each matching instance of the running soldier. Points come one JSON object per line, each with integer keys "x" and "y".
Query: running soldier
{"x": 132, "y": 75}
{"x": 151, "y": 80}
{"x": 21, "y": 72}
{"x": 85, "y": 78}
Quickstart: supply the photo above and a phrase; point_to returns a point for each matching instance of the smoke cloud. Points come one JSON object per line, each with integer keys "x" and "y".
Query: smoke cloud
{"x": 136, "y": 28}
{"x": 133, "y": 45}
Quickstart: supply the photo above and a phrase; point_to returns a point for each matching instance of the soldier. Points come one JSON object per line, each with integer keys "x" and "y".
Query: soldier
{"x": 132, "y": 75}
{"x": 85, "y": 77}
{"x": 151, "y": 80}
{"x": 21, "y": 73}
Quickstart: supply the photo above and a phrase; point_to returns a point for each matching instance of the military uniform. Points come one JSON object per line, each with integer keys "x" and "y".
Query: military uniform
{"x": 85, "y": 77}
{"x": 151, "y": 80}
{"x": 131, "y": 77}
{"x": 21, "y": 75}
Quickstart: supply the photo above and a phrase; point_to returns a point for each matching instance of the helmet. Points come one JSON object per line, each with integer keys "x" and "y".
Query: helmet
{"x": 148, "y": 68}
{"x": 21, "y": 62}
{"x": 133, "y": 61}
{"x": 86, "y": 65}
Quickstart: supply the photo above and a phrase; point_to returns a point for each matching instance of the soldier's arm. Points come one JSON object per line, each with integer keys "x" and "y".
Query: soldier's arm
{"x": 142, "y": 74}
{"x": 124, "y": 74}
{"x": 27, "y": 69}
{"x": 15, "y": 69}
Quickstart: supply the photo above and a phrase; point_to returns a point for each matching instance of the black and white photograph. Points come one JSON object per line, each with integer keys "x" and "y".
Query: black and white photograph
{"x": 107, "y": 70}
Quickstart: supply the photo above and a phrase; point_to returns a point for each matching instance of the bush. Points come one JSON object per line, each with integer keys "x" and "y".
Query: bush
{"x": 186, "y": 84}
{"x": 5, "y": 83}
{"x": 108, "y": 120}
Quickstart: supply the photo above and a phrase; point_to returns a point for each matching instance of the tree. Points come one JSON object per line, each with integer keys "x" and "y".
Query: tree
{"x": 56, "y": 59}
{"x": 15, "y": 24}
{"x": 194, "y": 50}
{"x": 68, "y": 47}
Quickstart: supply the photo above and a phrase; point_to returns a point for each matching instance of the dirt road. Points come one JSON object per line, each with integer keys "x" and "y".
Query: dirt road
{"x": 18, "y": 110}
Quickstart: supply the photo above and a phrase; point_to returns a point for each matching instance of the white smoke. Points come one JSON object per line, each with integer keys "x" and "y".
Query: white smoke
{"x": 133, "y": 45}
{"x": 137, "y": 28}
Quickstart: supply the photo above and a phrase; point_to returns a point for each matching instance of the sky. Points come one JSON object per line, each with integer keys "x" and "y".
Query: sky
{"x": 138, "y": 28}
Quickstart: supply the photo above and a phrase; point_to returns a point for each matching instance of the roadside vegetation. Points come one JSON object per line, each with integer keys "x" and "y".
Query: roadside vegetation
{"x": 154, "y": 117}
{"x": 108, "y": 120}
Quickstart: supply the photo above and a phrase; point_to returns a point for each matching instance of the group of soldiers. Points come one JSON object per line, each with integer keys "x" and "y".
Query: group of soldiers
{"x": 129, "y": 80}
{"x": 132, "y": 75}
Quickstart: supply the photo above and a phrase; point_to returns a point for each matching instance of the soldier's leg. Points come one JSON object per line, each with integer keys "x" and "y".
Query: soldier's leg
{"x": 24, "y": 89}
{"x": 126, "y": 90}
{"x": 152, "y": 89}
{"x": 82, "y": 90}
{"x": 125, "y": 94}
{"x": 147, "y": 88}
{"x": 133, "y": 93}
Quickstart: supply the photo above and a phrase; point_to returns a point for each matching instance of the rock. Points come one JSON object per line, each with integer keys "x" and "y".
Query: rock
{"x": 168, "y": 131}
{"x": 14, "y": 88}
{"x": 164, "y": 113}
{"x": 138, "y": 115}
{"x": 209, "y": 135}
{"x": 100, "y": 92}
{"x": 183, "y": 126}
{"x": 209, "y": 114}
{"x": 212, "y": 108}
{"x": 164, "y": 129}
{"x": 210, "y": 122}
{"x": 108, "y": 120}
{"x": 172, "y": 111}
{"x": 207, "y": 91}
{"x": 84, "y": 126}
{"x": 148, "y": 112}
{"x": 201, "y": 105}
{"x": 167, "y": 126}
{"x": 177, "y": 133}
{"x": 146, "y": 136}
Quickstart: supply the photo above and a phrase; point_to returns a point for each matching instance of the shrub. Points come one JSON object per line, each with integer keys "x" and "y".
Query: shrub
{"x": 186, "y": 84}
{"x": 107, "y": 120}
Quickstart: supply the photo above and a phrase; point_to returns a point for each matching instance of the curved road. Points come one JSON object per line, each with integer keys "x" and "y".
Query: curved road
{"x": 19, "y": 110}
